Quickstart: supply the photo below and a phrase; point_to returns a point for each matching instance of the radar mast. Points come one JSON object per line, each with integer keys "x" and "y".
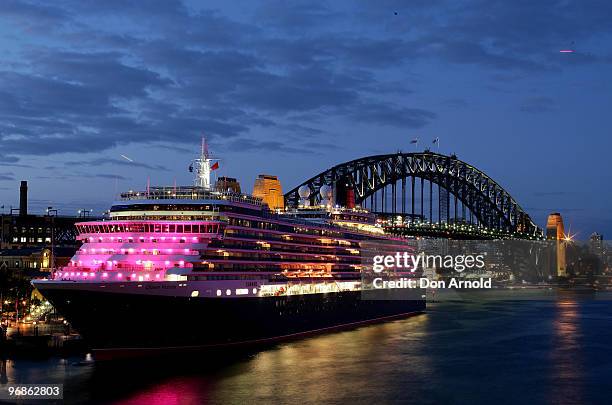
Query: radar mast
{"x": 201, "y": 167}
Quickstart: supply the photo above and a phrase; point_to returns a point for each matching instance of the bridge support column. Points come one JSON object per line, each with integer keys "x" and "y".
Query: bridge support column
{"x": 393, "y": 198}
{"x": 412, "y": 196}
{"x": 422, "y": 185}
{"x": 403, "y": 195}
{"x": 430, "y": 202}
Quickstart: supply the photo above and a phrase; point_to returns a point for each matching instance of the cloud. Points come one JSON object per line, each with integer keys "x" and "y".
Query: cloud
{"x": 84, "y": 175}
{"x": 249, "y": 145}
{"x": 555, "y": 193}
{"x": 19, "y": 165}
{"x": 86, "y": 76}
{"x": 455, "y": 103}
{"x": 295, "y": 17}
{"x": 296, "y": 92}
{"x": 103, "y": 71}
{"x": 83, "y": 87}
{"x": 320, "y": 146}
{"x": 11, "y": 161}
{"x": 538, "y": 105}
{"x": 503, "y": 36}
{"x": 114, "y": 162}
{"x": 7, "y": 176}
{"x": 30, "y": 16}
{"x": 385, "y": 114}
{"x": 109, "y": 176}
{"x": 556, "y": 209}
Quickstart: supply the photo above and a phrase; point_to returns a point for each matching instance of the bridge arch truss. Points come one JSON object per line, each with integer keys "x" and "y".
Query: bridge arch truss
{"x": 425, "y": 187}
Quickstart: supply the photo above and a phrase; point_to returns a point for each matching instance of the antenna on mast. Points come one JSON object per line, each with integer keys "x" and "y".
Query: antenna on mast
{"x": 201, "y": 167}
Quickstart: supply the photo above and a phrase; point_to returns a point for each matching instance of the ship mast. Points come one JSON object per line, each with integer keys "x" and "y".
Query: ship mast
{"x": 201, "y": 167}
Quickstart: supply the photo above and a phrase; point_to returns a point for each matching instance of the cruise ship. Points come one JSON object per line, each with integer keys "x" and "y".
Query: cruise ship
{"x": 190, "y": 268}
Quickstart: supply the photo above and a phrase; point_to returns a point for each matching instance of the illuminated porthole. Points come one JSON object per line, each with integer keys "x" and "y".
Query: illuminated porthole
{"x": 228, "y": 292}
{"x": 195, "y": 293}
{"x": 218, "y": 293}
{"x": 254, "y": 290}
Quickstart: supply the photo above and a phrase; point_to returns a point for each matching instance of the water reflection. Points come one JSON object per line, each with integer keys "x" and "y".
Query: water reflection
{"x": 334, "y": 368}
{"x": 174, "y": 392}
{"x": 3, "y": 374}
{"x": 378, "y": 362}
{"x": 568, "y": 373}
{"x": 471, "y": 353}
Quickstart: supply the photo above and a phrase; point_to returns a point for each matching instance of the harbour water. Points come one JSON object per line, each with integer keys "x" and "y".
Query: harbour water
{"x": 475, "y": 352}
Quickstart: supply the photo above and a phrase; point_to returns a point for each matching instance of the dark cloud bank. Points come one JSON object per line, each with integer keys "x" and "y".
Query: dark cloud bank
{"x": 85, "y": 76}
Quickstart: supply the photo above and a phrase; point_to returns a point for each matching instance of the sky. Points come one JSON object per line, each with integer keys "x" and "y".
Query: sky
{"x": 293, "y": 88}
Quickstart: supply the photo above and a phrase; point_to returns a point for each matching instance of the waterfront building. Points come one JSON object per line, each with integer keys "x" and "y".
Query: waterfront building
{"x": 20, "y": 229}
{"x": 33, "y": 260}
{"x": 228, "y": 184}
{"x": 554, "y": 227}
{"x": 556, "y": 232}
{"x": 596, "y": 243}
{"x": 268, "y": 188}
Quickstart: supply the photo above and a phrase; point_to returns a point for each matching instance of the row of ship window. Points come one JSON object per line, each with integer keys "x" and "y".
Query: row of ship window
{"x": 156, "y": 217}
{"x": 238, "y": 291}
{"x": 150, "y": 228}
{"x": 279, "y": 256}
{"x": 285, "y": 247}
{"x": 271, "y": 267}
{"x": 185, "y": 207}
{"x": 142, "y": 239}
{"x": 131, "y": 251}
{"x": 253, "y": 234}
{"x": 283, "y": 228}
{"x": 229, "y": 277}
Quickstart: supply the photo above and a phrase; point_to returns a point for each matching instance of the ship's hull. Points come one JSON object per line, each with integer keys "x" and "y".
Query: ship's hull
{"x": 122, "y": 324}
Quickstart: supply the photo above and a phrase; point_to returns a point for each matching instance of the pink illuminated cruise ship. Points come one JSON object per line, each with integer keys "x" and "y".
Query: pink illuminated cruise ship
{"x": 198, "y": 267}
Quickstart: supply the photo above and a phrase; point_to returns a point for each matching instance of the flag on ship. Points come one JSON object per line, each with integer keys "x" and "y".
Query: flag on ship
{"x": 215, "y": 166}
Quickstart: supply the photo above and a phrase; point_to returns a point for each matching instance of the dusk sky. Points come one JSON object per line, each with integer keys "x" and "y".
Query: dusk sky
{"x": 294, "y": 89}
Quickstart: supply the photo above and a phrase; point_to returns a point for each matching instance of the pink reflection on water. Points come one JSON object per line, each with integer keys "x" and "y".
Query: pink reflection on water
{"x": 183, "y": 392}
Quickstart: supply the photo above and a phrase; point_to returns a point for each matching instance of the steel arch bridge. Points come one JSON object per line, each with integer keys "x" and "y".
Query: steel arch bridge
{"x": 444, "y": 196}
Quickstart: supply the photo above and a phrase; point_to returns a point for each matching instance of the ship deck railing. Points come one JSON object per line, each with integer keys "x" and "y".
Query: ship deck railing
{"x": 198, "y": 193}
{"x": 189, "y": 193}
